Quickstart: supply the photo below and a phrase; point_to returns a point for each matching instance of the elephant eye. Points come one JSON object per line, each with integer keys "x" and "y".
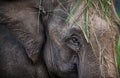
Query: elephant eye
{"x": 73, "y": 40}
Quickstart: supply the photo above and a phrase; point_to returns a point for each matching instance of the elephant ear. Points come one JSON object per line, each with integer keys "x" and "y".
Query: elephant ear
{"x": 33, "y": 47}
{"x": 22, "y": 21}
{"x": 33, "y": 42}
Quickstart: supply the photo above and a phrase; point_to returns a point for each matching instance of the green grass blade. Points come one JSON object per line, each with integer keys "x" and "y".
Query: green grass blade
{"x": 87, "y": 23}
{"x": 73, "y": 10}
{"x": 118, "y": 53}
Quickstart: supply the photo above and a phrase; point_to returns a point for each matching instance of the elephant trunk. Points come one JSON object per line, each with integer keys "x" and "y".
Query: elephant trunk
{"x": 88, "y": 67}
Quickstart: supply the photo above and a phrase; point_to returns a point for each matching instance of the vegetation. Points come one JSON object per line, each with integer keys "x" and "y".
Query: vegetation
{"x": 118, "y": 46}
{"x": 105, "y": 6}
{"x": 118, "y": 53}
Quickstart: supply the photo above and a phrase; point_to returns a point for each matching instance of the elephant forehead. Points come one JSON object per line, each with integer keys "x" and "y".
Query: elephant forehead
{"x": 98, "y": 25}
{"x": 103, "y": 36}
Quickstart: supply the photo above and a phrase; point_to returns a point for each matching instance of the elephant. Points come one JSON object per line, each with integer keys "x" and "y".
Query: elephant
{"x": 54, "y": 43}
{"x": 21, "y": 40}
{"x": 69, "y": 51}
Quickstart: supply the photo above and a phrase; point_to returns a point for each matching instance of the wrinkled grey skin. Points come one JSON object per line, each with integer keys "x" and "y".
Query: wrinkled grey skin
{"x": 21, "y": 40}
{"x": 67, "y": 53}
{"x": 65, "y": 47}
{"x": 26, "y": 45}
{"x": 64, "y": 50}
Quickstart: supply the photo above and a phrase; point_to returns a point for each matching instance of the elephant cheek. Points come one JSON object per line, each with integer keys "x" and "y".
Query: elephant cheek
{"x": 88, "y": 66}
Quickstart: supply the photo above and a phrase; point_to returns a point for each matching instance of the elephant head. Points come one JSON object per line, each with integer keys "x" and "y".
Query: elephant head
{"x": 81, "y": 44}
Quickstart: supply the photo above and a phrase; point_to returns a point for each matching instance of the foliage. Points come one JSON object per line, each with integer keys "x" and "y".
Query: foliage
{"x": 105, "y": 8}
{"x": 118, "y": 53}
{"x": 117, "y": 6}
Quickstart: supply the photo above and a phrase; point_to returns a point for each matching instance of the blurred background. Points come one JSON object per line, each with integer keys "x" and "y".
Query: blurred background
{"x": 117, "y": 4}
